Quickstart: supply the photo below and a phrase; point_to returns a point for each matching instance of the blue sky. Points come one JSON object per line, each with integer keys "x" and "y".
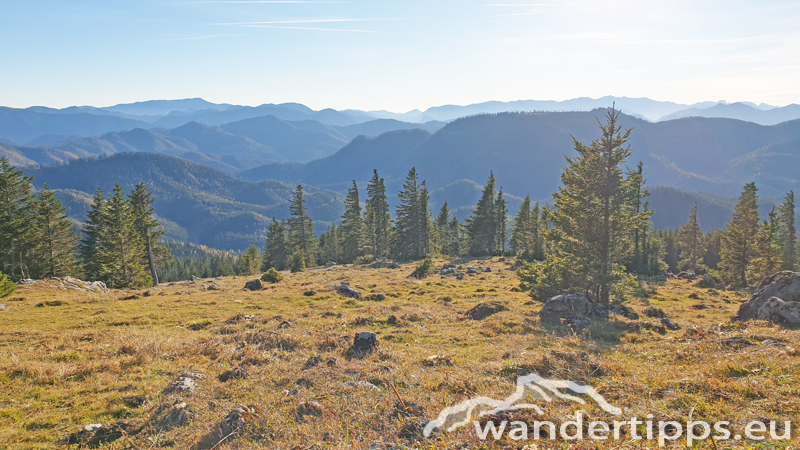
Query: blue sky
{"x": 396, "y": 54}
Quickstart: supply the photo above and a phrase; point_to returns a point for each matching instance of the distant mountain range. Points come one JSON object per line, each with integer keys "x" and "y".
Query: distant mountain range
{"x": 525, "y": 152}
{"x": 23, "y": 126}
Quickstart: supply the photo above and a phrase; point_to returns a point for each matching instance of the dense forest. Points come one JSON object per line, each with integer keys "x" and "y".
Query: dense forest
{"x": 595, "y": 235}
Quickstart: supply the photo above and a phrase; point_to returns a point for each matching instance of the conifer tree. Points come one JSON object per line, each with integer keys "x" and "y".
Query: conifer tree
{"x": 591, "y": 218}
{"x": 148, "y": 228}
{"x": 788, "y": 232}
{"x": 377, "y": 219}
{"x": 521, "y": 236}
{"x": 250, "y": 262}
{"x": 482, "y": 223}
{"x": 635, "y": 182}
{"x": 455, "y": 238}
{"x": 54, "y": 250}
{"x": 501, "y": 221}
{"x": 439, "y": 232}
{"x": 411, "y": 218}
{"x": 301, "y": 228}
{"x": 537, "y": 233}
{"x": 120, "y": 250}
{"x": 276, "y": 251}
{"x": 738, "y": 240}
{"x": 690, "y": 241}
{"x": 766, "y": 250}
{"x": 329, "y": 244}
{"x": 351, "y": 228}
{"x": 91, "y": 230}
{"x": 16, "y": 209}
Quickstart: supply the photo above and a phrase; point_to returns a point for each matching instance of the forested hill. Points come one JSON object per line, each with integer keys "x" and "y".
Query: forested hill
{"x": 525, "y": 151}
{"x": 213, "y": 207}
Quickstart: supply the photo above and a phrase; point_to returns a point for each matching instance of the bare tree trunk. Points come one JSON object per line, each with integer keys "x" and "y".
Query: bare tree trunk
{"x": 150, "y": 260}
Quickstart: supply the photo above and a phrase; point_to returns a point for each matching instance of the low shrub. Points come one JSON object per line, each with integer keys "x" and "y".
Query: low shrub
{"x": 272, "y": 276}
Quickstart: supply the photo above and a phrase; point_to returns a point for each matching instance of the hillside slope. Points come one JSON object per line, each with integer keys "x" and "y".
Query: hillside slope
{"x": 213, "y": 208}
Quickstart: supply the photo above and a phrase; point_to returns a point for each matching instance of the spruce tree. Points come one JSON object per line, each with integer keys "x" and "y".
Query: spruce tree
{"x": 250, "y": 262}
{"x": 521, "y": 233}
{"x": 690, "y": 242}
{"x": 54, "y": 251}
{"x": 276, "y": 252}
{"x": 455, "y": 237}
{"x": 788, "y": 232}
{"x": 91, "y": 230}
{"x": 766, "y": 250}
{"x": 482, "y": 223}
{"x": 330, "y": 245}
{"x": 148, "y": 227}
{"x": 635, "y": 182}
{"x": 376, "y": 217}
{"x": 439, "y": 233}
{"x": 591, "y": 218}
{"x": 411, "y": 219}
{"x": 16, "y": 209}
{"x": 301, "y": 228}
{"x": 501, "y": 221}
{"x": 537, "y": 233}
{"x": 120, "y": 250}
{"x": 351, "y": 228}
{"x": 738, "y": 240}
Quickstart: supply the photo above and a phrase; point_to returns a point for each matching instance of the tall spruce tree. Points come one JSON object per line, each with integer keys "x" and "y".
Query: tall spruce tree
{"x": 501, "y": 221}
{"x": 482, "y": 223}
{"x": 276, "y": 252}
{"x": 690, "y": 242}
{"x": 766, "y": 249}
{"x": 411, "y": 219}
{"x": 439, "y": 232}
{"x": 54, "y": 251}
{"x": 377, "y": 218}
{"x": 330, "y": 244}
{"x": 637, "y": 193}
{"x": 738, "y": 240}
{"x": 16, "y": 209}
{"x": 351, "y": 228}
{"x": 147, "y": 226}
{"x": 591, "y": 218}
{"x": 91, "y": 230}
{"x": 301, "y": 228}
{"x": 120, "y": 250}
{"x": 521, "y": 233}
{"x": 455, "y": 237}
{"x": 250, "y": 262}
{"x": 788, "y": 232}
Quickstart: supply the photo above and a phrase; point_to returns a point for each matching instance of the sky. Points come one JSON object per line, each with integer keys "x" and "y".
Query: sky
{"x": 396, "y": 55}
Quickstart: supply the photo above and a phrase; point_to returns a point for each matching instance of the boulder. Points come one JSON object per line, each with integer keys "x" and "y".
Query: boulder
{"x": 448, "y": 270}
{"x": 570, "y": 307}
{"x": 3, "y": 307}
{"x": 670, "y": 325}
{"x": 347, "y": 291}
{"x": 253, "y": 285}
{"x": 687, "y": 275}
{"x": 777, "y": 299}
{"x": 364, "y": 342}
{"x": 706, "y": 282}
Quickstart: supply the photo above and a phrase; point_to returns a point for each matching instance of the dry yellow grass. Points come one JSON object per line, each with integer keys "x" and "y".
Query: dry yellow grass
{"x": 79, "y": 358}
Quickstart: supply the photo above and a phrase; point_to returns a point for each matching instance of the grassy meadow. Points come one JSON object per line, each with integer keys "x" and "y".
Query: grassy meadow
{"x": 71, "y": 358}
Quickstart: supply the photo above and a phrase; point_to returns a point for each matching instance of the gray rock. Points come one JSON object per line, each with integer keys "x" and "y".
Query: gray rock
{"x": 364, "y": 342}
{"x": 670, "y": 325}
{"x": 253, "y": 285}
{"x": 570, "y": 307}
{"x": 3, "y": 307}
{"x": 184, "y": 384}
{"x": 312, "y": 362}
{"x": 777, "y": 300}
{"x": 347, "y": 291}
{"x": 706, "y": 282}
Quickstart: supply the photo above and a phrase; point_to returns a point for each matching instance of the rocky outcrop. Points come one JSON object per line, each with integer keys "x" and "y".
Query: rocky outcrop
{"x": 776, "y": 300}
{"x": 253, "y": 285}
{"x": 573, "y": 308}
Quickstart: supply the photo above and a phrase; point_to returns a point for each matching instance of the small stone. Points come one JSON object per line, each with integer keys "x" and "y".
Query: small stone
{"x": 3, "y": 307}
{"x": 333, "y": 361}
{"x": 364, "y": 342}
{"x": 310, "y": 293}
{"x": 285, "y": 324}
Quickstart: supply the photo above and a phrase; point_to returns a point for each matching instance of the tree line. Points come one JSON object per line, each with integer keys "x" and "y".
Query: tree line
{"x": 37, "y": 240}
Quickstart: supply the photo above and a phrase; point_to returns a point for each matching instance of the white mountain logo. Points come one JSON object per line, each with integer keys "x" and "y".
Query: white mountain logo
{"x": 461, "y": 414}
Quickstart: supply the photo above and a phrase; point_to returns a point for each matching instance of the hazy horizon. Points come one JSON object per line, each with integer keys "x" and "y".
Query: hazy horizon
{"x": 396, "y": 56}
